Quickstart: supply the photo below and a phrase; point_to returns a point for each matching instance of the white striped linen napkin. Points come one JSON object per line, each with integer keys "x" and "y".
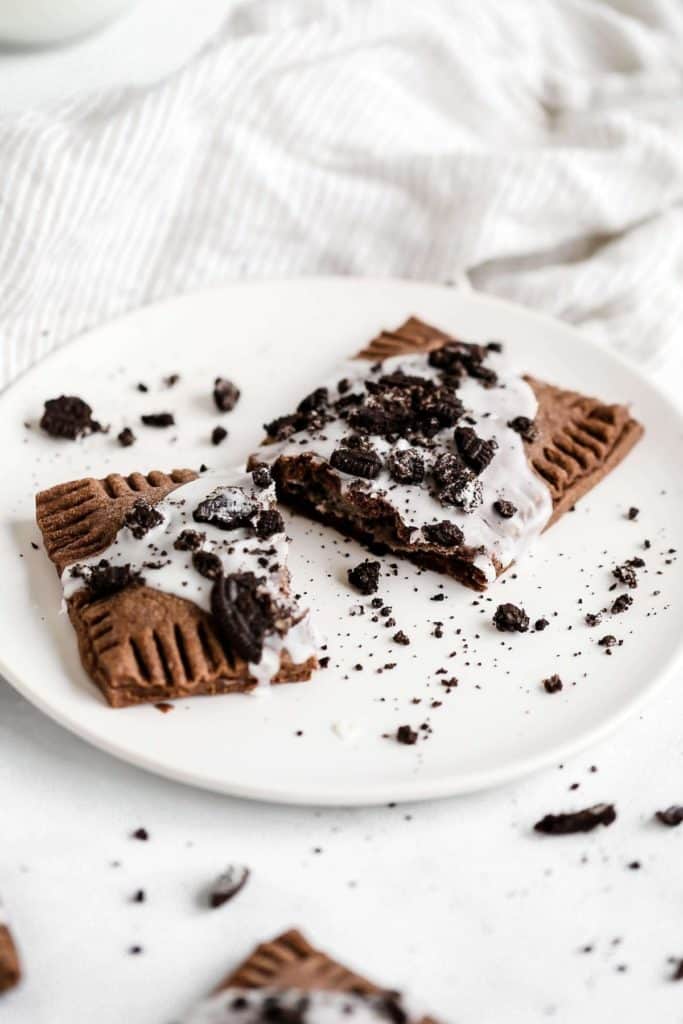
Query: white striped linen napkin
{"x": 535, "y": 145}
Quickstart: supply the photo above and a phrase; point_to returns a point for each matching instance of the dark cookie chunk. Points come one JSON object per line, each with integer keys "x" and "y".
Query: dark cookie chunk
{"x": 268, "y": 523}
{"x": 281, "y": 427}
{"x": 540, "y": 625}
{"x": 228, "y": 508}
{"x": 104, "y": 579}
{"x": 357, "y": 462}
{"x": 608, "y": 640}
{"x": 218, "y": 434}
{"x": 475, "y": 452}
{"x": 140, "y": 833}
{"x": 68, "y": 417}
{"x": 525, "y": 427}
{"x": 457, "y": 485}
{"x": 142, "y": 518}
{"x": 401, "y": 638}
{"x": 365, "y": 576}
{"x": 633, "y": 513}
{"x": 317, "y": 399}
{"x": 577, "y": 821}
{"x": 225, "y": 394}
{"x": 494, "y": 346}
{"x": 475, "y": 368}
{"x": 406, "y": 466}
{"x": 207, "y": 564}
{"x": 406, "y": 735}
{"x": 158, "y": 419}
{"x": 445, "y": 534}
{"x": 227, "y": 885}
{"x": 261, "y": 477}
{"x": 593, "y": 618}
{"x": 621, "y": 604}
{"x": 510, "y": 619}
{"x": 553, "y": 684}
{"x": 243, "y": 614}
{"x": 505, "y": 509}
{"x": 126, "y": 438}
{"x": 626, "y": 574}
{"x": 189, "y": 540}
{"x": 672, "y": 816}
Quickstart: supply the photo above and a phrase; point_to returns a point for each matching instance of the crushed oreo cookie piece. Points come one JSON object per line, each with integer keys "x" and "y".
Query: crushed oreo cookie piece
{"x": 243, "y": 614}
{"x": 225, "y": 394}
{"x": 553, "y": 684}
{"x": 406, "y": 466}
{"x": 158, "y": 419}
{"x": 207, "y": 564}
{"x": 281, "y": 427}
{"x": 317, "y": 399}
{"x": 525, "y": 427}
{"x": 633, "y": 513}
{"x": 510, "y": 619}
{"x": 475, "y": 451}
{"x": 228, "y": 508}
{"x": 445, "y": 534}
{"x": 593, "y": 618}
{"x": 401, "y": 638}
{"x": 626, "y": 574}
{"x": 672, "y": 816}
{"x": 406, "y": 735}
{"x": 577, "y": 821}
{"x": 140, "y": 833}
{"x": 365, "y": 576}
{"x": 494, "y": 346}
{"x": 456, "y": 484}
{"x": 365, "y": 462}
{"x": 622, "y": 603}
{"x": 142, "y": 518}
{"x": 126, "y": 438}
{"x": 505, "y": 509}
{"x": 261, "y": 477}
{"x": 68, "y": 417}
{"x": 607, "y": 641}
{"x": 104, "y": 579}
{"x": 189, "y": 540}
{"x": 268, "y": 523}
{"x": 218, "y": 435}
{"x": 228, "y": 884}
{"x": 540, "y": 625}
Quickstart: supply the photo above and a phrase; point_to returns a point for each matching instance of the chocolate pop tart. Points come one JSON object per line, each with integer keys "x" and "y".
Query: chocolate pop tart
{"x": 437, "y": 450}
{"x": 177, "y": 585}
{"x": 289, "y": 980}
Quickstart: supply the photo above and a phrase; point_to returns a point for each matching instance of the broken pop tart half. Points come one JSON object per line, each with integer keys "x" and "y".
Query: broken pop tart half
{"x": 177, "y": 585}
{"x": 289, "y": 980}
{"x": 439, "y": 450}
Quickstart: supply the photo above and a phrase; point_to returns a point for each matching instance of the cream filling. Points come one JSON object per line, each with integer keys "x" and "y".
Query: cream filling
{"x": 239, "y": 551}
{"x": 507, "y": 476}
{"x": 227, "y": 1007}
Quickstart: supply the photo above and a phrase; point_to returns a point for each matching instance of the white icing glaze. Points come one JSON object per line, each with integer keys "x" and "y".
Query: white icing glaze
{"x": 322, "y": 1007}
{"x": 507, "y": 476}
{"x": 238, "y": 550}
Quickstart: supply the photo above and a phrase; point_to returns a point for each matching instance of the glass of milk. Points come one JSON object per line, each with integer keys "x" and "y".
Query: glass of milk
{"x": 43, "y": 22}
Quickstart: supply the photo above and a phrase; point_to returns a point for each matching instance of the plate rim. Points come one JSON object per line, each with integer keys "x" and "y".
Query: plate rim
{"x": 414, "y": 789}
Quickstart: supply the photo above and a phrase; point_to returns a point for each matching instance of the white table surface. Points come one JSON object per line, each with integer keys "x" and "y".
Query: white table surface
{"x": 457, "y": 900}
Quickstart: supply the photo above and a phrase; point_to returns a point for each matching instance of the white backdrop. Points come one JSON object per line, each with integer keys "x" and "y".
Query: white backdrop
{"x": 536, "y": 145}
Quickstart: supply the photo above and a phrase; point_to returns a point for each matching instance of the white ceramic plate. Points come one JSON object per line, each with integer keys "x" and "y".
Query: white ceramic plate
{"x": 277, "y": 340}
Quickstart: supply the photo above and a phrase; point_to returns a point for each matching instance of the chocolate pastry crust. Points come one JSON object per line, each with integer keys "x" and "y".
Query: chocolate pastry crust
{"x": 139, "y": 644}
{"x": 291, "y": 962}
{"x": 576, "y": 442}
{"x": 10, "y": 968}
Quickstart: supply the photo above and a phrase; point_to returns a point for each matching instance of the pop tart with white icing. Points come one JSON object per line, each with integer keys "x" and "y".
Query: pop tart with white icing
{"x": 438, "y": 450}
{"x": 177, "y": 585}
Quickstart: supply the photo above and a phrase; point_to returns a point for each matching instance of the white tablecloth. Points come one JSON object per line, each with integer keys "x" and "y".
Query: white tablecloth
{"x": 535, "y": 146}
